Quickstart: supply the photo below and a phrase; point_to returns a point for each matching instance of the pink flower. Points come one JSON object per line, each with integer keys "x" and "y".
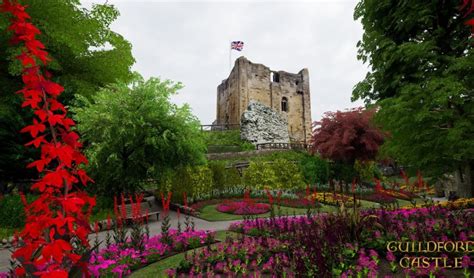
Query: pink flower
{"x": 390, "y": 256}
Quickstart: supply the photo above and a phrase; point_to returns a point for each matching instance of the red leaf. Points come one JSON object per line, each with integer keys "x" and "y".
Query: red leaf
{"x": 34, "y": 129}
{"x": 53, "y": 119}
{"x": 67, "y": 123}
{"x": 41, "y": 114}
{"x": 33, "y": 102}
{"x": 54, "y": 179}
{"x": 26, "y": 60}
{"x": 37, "y": 142}
{"x": 56, "y": 105}
{"x": 52, "y": 88}
{"x": 39, "y": 164}
{"x": 83, "y": 177}
{"x": 56, "y": 250}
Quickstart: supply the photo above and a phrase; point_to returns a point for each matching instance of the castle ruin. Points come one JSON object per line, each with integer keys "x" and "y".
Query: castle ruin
{"x": 286, "y": 93}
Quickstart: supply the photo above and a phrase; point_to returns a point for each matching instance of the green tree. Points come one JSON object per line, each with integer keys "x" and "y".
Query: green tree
{"x": 421, "y": 60}
{"x": 86, "y": 55}
{"x": 133, "y": 133}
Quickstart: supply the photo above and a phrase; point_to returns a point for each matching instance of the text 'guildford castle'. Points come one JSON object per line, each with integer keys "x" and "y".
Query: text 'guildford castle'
{"x": 286, "y": 93}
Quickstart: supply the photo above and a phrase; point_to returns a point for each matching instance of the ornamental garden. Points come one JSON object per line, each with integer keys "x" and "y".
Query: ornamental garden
{"x": 101, "y": 175}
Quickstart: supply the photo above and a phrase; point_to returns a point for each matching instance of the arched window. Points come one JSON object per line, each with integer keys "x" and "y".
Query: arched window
{"x": 284, "y": 104}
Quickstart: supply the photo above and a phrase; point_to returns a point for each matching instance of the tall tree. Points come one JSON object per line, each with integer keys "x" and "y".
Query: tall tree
{"x": 85, "y": 53}
{"x": 421, "y": 59}
{"x": 133, "y": 132}
{"x": 345, "y": 137}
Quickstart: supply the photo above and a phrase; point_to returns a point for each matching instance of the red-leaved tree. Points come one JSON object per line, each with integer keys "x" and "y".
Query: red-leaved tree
{"x": 347, "y": 136}
{"x": 54, "y": 241}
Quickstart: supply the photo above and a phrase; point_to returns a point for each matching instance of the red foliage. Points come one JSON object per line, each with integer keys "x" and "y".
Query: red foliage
{"x": 467, "y": 7}
{"x": 165, "y": 202}
{"x": 60, "y": 216}
{"x": 347, "y": 136}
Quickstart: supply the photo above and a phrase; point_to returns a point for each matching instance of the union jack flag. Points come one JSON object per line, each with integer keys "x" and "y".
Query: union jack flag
{"x": 237, "y": 45}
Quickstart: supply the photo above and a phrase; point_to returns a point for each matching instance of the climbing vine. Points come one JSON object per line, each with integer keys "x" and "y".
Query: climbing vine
{"x": 54, "y": 240}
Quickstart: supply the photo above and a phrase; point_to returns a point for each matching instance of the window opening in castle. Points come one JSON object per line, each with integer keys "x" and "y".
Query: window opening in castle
{"x": 274, "y": 77}
{"x": 284, "y": 104}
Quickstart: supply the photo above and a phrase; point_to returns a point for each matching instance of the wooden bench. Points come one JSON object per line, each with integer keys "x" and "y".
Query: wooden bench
{"x": 146, "y": 207}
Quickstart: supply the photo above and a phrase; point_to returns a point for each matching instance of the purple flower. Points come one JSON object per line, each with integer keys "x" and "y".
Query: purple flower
{"x": 390, "y": 256}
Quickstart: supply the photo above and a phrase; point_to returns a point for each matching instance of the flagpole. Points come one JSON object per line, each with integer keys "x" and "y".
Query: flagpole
{"x": 230, "y": 56}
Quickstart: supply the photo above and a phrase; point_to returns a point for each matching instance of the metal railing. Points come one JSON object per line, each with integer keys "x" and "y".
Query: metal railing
{"x": 283, "y": 146}
{"x": 219, "y": 127}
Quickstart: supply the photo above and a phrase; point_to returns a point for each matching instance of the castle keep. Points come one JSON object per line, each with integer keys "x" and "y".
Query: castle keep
{"x": 286, "y": 93}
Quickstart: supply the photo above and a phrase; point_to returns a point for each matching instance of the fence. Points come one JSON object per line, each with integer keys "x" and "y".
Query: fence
{"x": 219, "y": 127}
{"x": 283, "y": 146}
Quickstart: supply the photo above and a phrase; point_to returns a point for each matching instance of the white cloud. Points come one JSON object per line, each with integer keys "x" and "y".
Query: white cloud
{"x": 189, "y": 41}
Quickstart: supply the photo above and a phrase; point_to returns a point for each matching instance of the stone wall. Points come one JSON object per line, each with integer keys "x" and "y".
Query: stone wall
{"x": 249, "y": 81}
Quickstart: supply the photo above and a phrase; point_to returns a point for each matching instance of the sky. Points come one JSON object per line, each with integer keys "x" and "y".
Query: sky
{"x": 189, "y": 42}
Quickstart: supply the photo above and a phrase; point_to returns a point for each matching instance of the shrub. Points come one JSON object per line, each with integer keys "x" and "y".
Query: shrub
{"x": 12, "y": 214}
{"x": 288, "y": 174}
{"x": 281, "y": 174}
{"x": 232, "y": 178}
{"x": 367, "y": 171}
{"x": 260, "y": 174}
{"x": 195, "y": 181}
{"x": 218, "y": 174}
{"x": 315, "y": 169}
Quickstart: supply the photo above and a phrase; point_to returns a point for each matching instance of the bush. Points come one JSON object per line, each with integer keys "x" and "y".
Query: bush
{"x": 260, "y": 174}
{"x": 218, "y": 174}
{"x": 232, "y": 178}
{"x": 12, "y": 214}
{"x": 367, "y": 171}
{"x": 281, "y": 174}
{"x": 195, "y": 181}
{"x": 288, "y": 174}
{"x": 315, "y": 169}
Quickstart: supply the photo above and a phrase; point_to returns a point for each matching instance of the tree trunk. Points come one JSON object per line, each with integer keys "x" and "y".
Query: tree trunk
{"x": 464, "y": 180}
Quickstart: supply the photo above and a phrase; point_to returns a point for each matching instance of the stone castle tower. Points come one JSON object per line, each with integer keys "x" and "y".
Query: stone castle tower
{"x": 286, "y": 93}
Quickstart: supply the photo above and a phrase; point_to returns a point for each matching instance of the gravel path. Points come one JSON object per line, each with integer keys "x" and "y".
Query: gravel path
{"x": 155, "y": 228}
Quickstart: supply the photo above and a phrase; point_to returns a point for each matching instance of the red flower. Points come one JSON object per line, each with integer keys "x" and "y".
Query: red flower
{"x": 166, "y": 203}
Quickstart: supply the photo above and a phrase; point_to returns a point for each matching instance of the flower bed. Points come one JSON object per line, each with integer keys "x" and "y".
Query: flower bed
{"x": 463, "y": 203}
{"x": 243, "y": 207}
{"x": 334, "y": 199}
{"x": 328, "y": 245}
{"x": 122, "y": 259}
{"x": 378, "y": 197}
{"x": 399, "y": 194}
{"x": 292, "y": 203}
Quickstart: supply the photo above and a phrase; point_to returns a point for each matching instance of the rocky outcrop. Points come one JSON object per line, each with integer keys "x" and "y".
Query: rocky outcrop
{"x": 260, "y": 124}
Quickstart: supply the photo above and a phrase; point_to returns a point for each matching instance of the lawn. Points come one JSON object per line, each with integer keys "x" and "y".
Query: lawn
{"x": 158, "y": 269}
{"x": 403, "y": 203}
{"x": 210, "y": 212}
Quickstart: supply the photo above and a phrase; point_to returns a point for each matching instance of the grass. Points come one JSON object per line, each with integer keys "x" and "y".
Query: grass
{"x": 403, "y": 203}
{"x": 210, "y": 213}
{"x": 6, "y": 232}
{"x": 158, "y": 269}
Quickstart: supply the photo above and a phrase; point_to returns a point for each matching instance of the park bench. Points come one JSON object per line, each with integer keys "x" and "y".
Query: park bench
{"x": 146, "y": 207}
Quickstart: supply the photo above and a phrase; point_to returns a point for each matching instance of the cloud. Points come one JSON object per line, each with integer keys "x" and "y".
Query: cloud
{"x": 189, "y": 42}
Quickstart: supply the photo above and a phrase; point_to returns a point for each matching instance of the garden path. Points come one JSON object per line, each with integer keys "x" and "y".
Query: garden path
{"x": 155, "y": 228}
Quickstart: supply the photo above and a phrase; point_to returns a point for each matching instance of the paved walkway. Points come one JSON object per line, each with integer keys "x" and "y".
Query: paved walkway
{"x": 155, "y": 228}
